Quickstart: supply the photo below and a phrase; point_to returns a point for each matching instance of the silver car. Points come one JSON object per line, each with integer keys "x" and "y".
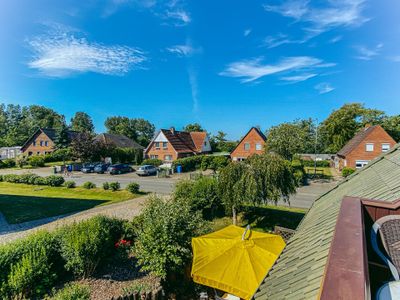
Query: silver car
{"x": 147, "y": 170}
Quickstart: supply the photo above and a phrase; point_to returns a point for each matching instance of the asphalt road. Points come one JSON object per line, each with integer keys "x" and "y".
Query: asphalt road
{"x": 304, "y": 197}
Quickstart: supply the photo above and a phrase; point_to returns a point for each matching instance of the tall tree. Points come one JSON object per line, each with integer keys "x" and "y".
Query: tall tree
{"x": 144, "y": 131}
{"x": 219, "y": 143}
{"x": 194, "y": 127}
{"x": 82, "y": 122}
{"x": 62, "y": 139}
{"x": 342, "y": 124}
{"x": 392, "y": 126}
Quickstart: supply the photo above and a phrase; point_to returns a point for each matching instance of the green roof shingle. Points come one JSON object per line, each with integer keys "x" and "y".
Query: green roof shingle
{"x": 298, "y": 272}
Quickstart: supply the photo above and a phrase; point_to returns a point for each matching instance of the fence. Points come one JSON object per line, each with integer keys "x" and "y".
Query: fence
{"x": 154, "y": 295}
{"x": 285, "y": 233}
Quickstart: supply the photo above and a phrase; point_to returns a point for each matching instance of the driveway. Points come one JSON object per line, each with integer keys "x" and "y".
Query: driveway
{"x": 147, "y": 184}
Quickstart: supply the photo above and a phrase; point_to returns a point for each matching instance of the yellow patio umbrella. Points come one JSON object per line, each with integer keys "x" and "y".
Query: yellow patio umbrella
{"x": 234, "y": 260}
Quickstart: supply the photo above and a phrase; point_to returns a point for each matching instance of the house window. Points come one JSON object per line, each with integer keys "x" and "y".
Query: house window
{"x": 164, "y": 145}
{"x": 168, "y": 157}
{"x": 46, "y": 143}
{"x": 30, "y": 153}
{"x": 385, "y": 147}
{"x": 41, "y": 143}
{"x": 361, "y": 163}
{"x": 154, "y": 156}
{"x": 246, "y": 146}
{"x": 369, "y": 147}
{"x": 34, "y": 143}
{"x": 38, "y": 153}
{"x": 258, "y": 146}
{"x": 157, "y": 145}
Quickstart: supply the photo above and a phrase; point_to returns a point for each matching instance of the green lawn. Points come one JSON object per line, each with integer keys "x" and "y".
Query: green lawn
{"x": 326, "y": 171}
{"x": 264, "y": 218}
{"x": 21, "y": 203}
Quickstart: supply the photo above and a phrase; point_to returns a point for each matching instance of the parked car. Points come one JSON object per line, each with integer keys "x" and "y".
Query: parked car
{"x": 120, "y": 169}
{"x": 88, "y": 168}
{"x": 101, "y": 168}
{"x": 147, "y": 170}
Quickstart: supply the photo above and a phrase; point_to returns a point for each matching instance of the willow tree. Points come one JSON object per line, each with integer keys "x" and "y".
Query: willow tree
{"x": 259, "y": 180}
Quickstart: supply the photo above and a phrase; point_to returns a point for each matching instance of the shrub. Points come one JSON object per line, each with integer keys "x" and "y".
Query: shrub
{"x": 191, "y": 163}
{"x": 347, "y": 171}
{"x": 137, "y": 287}
{"x": 36, "y": 161}
{"x": 163, "y": 238}
{"x": 133, "y": 187}
{"x": 106, "y": 186}
{"x": 12, "y": 178}
{"x": 54, "y": 180}
{"x": 58, "y": 155}
{"x": 298, "y": 172}
{"x": 7, "y": 163}
{"x": 320, "y": 163}
{"x": 115, "y": 186}
{"x": 1, "y": 178}
{"x": 86, "y": 244}
{"x": 21, "y": 161}
{"x": 28, "y": 178}
{"x": 40, "y": 181}
{"x": 89, "y": 185}
{"x": 70, "y": 184}
{"x": 152, "y": 161}
{"x": 74, "y": 291}
{"x": 214, "y": 162}
{"x": 11, "y": 255}
{"x": 32, "y": 275}
{"x": 200, "y": 195}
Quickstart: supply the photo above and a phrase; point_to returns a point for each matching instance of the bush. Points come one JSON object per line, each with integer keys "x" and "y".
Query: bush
{"x": 11, "y": 254}
{"x": 32, "y": 275}
{"x": 133, "y": 187}
{"x": 12, "y": 178}
{"x": 58, "y": 155}
{"x": 320, "y": 163}
{"x": 191, "y": 163}
{"x": 74, "y": 291}
{"x": 214, "y": 162}
{"x": 7, "y": 163}
{"x": 89, "y": 185}
{"x": 346, "y": 171}
{"x": 298, "y": 172}
{"x": 36, "y": 161}
{"x": 115, "y": 186}
{"x": 70, "y": 184}
{"x": 163, "y": 237}
{"x": 54, "y": 180}
{"x": 28, "y": 178}
{"x": 200, "y": 195}
{"x": 106, "y": 186}
{"x": 1, "y": 178}
{"x": 152, "y": 161}
{"x": 40, "y": 181}
{"x": 86, "y": 244}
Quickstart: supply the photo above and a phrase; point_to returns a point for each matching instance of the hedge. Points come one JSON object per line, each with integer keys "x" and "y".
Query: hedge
{"x": 152, "y": 161}
{"x": 7, "y": 163}
{"x": 347, "y": 171}
{"x": 203, "y": 162}
{"x": 33, "y": 179}
{"x": 320, "y": 163}
{"x": 58, "y": 155}
{"x": 36, "y": 161}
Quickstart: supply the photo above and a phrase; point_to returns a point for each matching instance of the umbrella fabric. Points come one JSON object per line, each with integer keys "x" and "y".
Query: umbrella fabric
{"x": 224, "y": 261}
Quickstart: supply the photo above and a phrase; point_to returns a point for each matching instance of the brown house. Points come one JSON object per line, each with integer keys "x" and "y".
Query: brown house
{"x": 170, "y": 144}
{"x": 366, "y": 145}
{"x": 42, "y": 142}
{"x": 252, "y": 143}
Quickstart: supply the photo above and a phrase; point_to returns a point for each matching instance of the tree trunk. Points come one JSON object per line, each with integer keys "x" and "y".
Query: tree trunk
{"x": 234, "y": 216}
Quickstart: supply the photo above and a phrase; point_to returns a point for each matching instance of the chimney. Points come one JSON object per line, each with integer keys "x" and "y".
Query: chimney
{"x": 172, "y": 129}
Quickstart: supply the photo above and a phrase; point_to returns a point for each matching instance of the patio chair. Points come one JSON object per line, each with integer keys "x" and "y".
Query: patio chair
{"x": 389, "y": 231}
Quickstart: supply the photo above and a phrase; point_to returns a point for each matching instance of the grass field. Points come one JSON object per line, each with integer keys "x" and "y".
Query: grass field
{"x": 21, "y": 203}
{"x": 264, "y": 218}
{"x": 326, "y": 171}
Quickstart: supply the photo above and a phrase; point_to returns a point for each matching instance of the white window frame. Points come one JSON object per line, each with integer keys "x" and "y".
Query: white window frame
{"x": 258, "y": 146}
{"x": 168, "y": 157}
{"x": 361, "y": 163}
{"x": 367, "y": 145}
{"x": 153, "y": 156}
{"x": 385, "y": 147}
{"x": 245, "y": 146}
{"x": 157, "y": 145}
{"x": 165, "y": 145}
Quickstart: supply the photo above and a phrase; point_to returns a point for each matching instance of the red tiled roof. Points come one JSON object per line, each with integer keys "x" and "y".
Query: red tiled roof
{"x": 356, "y": 140}
{"x": 180, "y": 140}
{"x": 198, "y": 139}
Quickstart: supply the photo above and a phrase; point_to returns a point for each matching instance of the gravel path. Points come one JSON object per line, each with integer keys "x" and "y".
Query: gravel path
{"x": 125, "y": 210}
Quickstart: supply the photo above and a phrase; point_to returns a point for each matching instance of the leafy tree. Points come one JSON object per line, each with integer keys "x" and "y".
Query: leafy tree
{"x": 194, "y": 127}
{"x": 164, "y": 234}
{"x": 392, "y": 126}
{"x": 219, "y": 143}
{"x": 342, "y": 124}
{"x": 139, "y": 130}
{"x": 286, "y": 139}
{"x": 83, "y": 146}
{"x": 82, "y": 122}
{"x": 62, "y": 139}
{"x": 40, "y": 116}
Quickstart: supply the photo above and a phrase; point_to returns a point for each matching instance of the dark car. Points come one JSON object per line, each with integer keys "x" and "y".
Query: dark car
{"x": 88, "y": 168}
{"x": 147, "y": 170}
{"x": 101, "y": 168}
{"x": 120, "y": 169}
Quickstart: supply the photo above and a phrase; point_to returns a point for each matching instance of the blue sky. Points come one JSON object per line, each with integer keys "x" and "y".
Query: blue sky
{"x": 228, "y": 65}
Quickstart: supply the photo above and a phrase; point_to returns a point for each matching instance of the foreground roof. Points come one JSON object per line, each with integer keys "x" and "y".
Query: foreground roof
{"x": 299, "y": 271}
{"x": 118, "y": 140}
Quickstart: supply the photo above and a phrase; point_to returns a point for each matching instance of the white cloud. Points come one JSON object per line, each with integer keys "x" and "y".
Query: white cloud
{"x": 61, "y": 53}
{"x": 247, "y": 31}
{"x": 182, "y": 50}
{"x": 336, "y": 14}
{"x": 194, "y": 89}
{"x": 365, "y": 53}
{"x": 335, "y": 39}
{"x": 324, "y": 87}
{"x": 180, "y": 17}
{"x": 298, "y": 78}
{"x": 250, "y": 70}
